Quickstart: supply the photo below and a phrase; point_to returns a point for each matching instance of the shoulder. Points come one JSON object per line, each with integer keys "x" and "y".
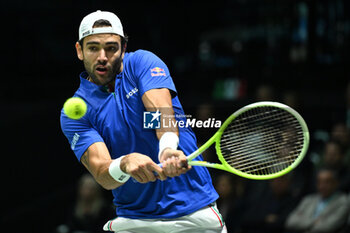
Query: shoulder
{"x": 342, "y": 197}
{"x": 143, "y": 53}
{"x": 310, "y": 198}
{"x": 141, "y": 63}
{"x": 141, "y": 56}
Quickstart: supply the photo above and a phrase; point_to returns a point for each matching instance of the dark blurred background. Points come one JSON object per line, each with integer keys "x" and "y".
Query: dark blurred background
{"x": 221, "y": 54}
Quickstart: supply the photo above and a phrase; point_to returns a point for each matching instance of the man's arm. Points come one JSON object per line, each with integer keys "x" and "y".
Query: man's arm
{"x": 172, "y": 160}
{"x": 97, "y": 161}
{"x": 160, "y": 99}
{"x": 334, "y": 217}
{"x": 298, "y": 219}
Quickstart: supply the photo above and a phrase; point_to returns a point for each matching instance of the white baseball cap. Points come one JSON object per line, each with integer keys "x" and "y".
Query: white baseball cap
{"x": 88, "y": 21}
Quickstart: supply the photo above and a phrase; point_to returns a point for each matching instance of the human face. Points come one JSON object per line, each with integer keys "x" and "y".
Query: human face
{"x": 333, "y": 156}
{"x": 326, "y": 183}
{"x": 102, "y": 55}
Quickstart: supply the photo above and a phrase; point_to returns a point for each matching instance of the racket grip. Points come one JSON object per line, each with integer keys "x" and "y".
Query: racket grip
{"x": 184, "y": 165}
{"x": 154, "y": 172}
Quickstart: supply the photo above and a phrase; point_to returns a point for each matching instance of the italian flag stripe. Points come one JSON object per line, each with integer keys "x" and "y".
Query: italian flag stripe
{"x": 216, "y": 212}
{"x": 110, "y": 225}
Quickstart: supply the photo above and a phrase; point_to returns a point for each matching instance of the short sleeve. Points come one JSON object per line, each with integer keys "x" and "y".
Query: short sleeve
{"x": 152, "y": 73}
{"x": 80, "y": 134}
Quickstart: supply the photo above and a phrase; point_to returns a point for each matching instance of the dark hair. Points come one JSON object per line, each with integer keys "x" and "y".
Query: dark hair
{"x": 333, "y": 171}
{"x": 105, "y": 23}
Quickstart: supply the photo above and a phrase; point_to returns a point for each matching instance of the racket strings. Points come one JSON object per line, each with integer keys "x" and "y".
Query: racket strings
{"x": 259, "y": 148}
{"x": 252, "y": 160}
{"x": 237, "y": 150}
{"x": 261, "y": 141}
{"x": 252, "y": 141}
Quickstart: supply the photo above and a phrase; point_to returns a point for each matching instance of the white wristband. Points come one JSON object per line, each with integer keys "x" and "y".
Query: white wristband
{"x": 116, "y": 172}
{"x": 168, "y": 140}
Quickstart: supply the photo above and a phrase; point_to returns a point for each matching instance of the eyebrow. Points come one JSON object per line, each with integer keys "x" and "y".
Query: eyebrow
{"x": 92, "y": 42}
{"x": 97, "y": 43}
{"x": 112, "y": 42}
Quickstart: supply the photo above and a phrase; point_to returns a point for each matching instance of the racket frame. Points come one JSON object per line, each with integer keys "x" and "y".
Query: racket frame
{"x": 226, "y": 167}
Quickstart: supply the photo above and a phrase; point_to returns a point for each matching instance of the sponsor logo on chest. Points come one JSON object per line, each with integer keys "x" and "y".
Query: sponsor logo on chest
{"x": 132, "y": 92}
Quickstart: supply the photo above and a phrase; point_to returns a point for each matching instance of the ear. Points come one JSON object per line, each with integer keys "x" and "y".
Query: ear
{"x": 123, "y": 51}
{"x": 123, "y": 55}
{"x": 79, "y": 51}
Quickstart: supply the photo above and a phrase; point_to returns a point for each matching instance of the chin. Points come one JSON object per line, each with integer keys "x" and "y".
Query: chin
{"x": 102, "y": 80}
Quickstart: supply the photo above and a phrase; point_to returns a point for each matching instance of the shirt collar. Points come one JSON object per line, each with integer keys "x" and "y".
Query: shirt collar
{"x": 84, "y": 82}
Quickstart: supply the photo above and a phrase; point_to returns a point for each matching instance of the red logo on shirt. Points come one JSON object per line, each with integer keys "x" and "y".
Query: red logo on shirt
{"x": 156, "y": 71}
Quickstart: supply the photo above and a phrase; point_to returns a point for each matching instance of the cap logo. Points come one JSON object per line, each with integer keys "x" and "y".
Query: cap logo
{"x": 86, "y": 33}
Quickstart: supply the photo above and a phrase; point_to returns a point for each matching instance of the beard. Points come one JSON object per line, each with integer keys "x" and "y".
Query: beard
{"x": 113, "y": 70}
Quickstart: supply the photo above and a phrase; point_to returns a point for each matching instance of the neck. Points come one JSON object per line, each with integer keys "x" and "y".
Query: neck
{"x": 109, "y": 86}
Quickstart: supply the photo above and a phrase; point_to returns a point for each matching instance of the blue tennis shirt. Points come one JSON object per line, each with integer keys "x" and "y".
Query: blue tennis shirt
{"x": 117, "y": 120}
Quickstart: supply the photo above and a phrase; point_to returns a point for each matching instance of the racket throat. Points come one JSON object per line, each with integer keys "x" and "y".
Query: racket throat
{"x": 206, "y": 164}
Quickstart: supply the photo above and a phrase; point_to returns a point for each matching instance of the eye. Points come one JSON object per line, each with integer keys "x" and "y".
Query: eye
{"x": 93, "y": 48}
{"x": 112, "y": 49}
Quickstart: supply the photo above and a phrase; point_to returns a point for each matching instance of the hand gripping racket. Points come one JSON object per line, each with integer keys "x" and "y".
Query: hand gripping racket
{"x": 263, "y": 140}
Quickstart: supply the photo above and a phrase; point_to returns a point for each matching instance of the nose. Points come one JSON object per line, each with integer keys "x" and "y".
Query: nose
{"x": 102, "y": 58}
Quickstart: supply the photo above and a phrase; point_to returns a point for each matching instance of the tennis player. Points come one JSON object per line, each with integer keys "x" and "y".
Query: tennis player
{"x": 111, "y": 141}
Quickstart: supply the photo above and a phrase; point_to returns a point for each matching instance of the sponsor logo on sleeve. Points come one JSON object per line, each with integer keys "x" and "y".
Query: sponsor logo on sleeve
{"x": 156, "y": 71}
{"x": 74, "y": 140}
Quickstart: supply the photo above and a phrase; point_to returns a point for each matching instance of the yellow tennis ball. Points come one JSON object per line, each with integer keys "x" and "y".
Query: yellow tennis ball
{"x": 75, "y": 108}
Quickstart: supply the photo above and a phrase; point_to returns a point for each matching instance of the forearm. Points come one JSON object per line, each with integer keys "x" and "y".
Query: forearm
{"x": 160, "y": 100}
{"x": 97, "y": 162}
{"x": 105, "y": 180}
{"x": 168, "y": 137}
{"x": 174, "y": 162}
{"x": 332, "y": 221}
{"x": 298, "y": 221}
{"x": 168, "y": 116}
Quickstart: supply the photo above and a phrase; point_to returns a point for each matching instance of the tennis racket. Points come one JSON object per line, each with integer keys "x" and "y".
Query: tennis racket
{"x": 263, "y": 140}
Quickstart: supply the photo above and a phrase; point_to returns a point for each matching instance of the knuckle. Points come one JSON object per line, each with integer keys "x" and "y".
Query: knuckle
{"x": 148, "y": 164}
{"x": 134, "y": 170}
{"x": 168, "y": 174}
{"x": 133, "y": 173}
